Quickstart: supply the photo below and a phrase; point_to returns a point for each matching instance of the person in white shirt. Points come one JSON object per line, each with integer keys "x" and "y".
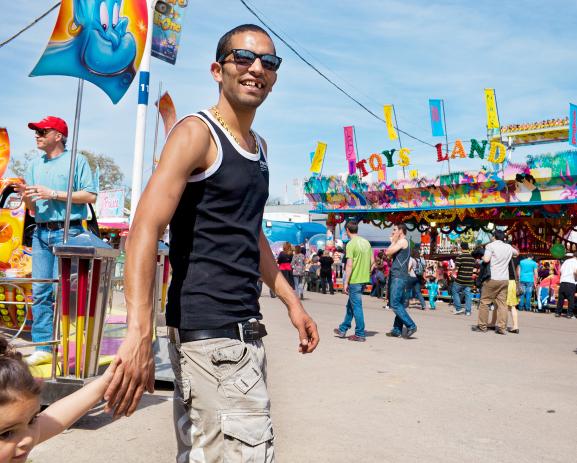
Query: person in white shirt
{"x": 567, "y": 286}
{"x": 498, "y": 254}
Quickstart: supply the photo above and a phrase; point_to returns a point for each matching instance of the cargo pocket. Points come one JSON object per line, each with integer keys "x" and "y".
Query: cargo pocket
{"x": 248, "y": 437}
{"x": 181, "y": 379}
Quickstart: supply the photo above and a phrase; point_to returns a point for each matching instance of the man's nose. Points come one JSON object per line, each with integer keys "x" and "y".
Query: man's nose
{"x": 256, "y": 67}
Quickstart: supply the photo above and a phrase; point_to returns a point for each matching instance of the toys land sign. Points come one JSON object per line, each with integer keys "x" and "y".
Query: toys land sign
{"x": 497, "y": 155}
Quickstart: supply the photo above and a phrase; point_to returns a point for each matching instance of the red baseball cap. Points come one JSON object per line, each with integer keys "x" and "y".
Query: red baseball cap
{"x": 50, "y": 122}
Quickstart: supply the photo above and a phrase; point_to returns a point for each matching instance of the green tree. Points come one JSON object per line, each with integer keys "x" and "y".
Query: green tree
{"x": 110, "y": 176}
{"x": 19, "y": 167}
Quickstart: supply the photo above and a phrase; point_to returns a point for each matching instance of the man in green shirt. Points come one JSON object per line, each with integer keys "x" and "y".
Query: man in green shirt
{"x": 360, "y": 260}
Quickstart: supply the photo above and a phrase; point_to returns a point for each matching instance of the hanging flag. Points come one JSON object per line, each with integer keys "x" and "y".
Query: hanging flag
{"x": 101, "y": 42}
{"x": 167, "y": 31}
{"x": 437, "y": 125}
{"x": 388, "y": 110}
{"x": 319, "y": 158}
{"x": 350, "y": 149}
{"x": 492, "y": 115}
{"x": 4, "y": 150}
{"x": 167, "y": 111}
{"x": 572, "y": 124}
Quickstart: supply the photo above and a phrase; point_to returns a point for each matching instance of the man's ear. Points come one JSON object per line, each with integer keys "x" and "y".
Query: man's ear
{"x": 216, "y": 71}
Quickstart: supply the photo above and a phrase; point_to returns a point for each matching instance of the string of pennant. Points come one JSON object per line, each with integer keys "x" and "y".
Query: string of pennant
{"x": 379, "y": 162}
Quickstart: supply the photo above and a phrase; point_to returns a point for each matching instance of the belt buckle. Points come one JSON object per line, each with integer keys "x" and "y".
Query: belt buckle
{"x": 251, "y": 330}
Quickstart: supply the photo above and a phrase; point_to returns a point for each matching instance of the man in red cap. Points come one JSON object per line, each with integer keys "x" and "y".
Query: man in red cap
{"x": 45, "y": 195}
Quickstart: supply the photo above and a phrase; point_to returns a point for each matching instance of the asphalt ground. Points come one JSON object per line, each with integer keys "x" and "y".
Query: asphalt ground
{"x": 446, "y": 395}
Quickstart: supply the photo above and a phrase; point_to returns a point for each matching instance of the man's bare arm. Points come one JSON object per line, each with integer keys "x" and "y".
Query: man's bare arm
{"x": 396, "y": 247}
{"x": 187, "y": 149}
{"x": 305, "y": 325}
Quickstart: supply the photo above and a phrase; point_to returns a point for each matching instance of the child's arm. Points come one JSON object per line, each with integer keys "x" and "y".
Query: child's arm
{"x": 65, "y": 412}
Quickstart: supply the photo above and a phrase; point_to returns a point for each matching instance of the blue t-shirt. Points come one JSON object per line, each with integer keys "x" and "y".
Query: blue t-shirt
{"x": 527, "y": 270}
{"x": 53, "y": 174}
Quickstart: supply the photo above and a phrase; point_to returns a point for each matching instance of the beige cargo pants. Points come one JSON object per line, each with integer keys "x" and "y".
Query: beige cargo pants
{"x": 221, "y": 403}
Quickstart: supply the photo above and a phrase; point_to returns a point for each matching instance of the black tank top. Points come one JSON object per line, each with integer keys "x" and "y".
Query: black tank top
{"x": 400, "y": 265}
{"x": 214, "y": 236}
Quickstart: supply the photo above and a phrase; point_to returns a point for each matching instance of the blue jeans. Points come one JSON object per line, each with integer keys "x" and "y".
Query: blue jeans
{"x": 413, "y": 289}
{"x": 459, "y": 289}
{"x": 354, "y": 310}
{"x": 397, "y": 303}
{"x": 525, "y": 299}
{"x": 45, "y": 265}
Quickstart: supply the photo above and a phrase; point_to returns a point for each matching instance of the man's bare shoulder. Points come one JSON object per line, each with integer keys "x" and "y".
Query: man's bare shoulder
{"x": 193, "y": 130}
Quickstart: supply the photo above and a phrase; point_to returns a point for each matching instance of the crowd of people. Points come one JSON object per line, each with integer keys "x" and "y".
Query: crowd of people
{"x": 493, "y": 276}
{"x": 545, "y": 124}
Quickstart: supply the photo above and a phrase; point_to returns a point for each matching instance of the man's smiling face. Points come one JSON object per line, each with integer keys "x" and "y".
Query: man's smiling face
{"x": 247, "y": 86}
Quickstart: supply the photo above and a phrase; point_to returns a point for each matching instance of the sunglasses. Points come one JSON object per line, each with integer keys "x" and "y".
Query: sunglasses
{"x": 247, "y": 57}
{"x": 43, "y": 132}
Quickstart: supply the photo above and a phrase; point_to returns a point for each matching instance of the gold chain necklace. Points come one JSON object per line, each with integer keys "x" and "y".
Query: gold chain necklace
{"x": 225, "y": 126}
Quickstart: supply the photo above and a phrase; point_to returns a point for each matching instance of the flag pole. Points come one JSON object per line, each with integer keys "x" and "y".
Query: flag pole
{"x": 140, "y": 131}
{"x": 73, "y": 159}
{"x": 398, "y": 135}
{"x": 156, "y": 126}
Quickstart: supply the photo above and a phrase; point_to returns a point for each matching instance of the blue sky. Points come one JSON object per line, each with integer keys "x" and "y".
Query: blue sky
{"x": 400, "y": 52}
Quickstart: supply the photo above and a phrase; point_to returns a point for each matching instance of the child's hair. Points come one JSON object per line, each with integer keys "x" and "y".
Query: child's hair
{"x": 15, "y": 377}
{"x": 432, "y": 279}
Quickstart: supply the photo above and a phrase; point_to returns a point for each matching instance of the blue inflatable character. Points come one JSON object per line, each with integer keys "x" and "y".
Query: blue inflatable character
{"x": 101, "y": 51}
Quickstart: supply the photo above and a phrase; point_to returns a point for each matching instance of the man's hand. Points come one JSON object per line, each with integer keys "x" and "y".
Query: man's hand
{"x": 36, "y": 192}
{"x": 134, "y": 374}
{"x": 307, "y": 328}
{"x": 346, "y": 288}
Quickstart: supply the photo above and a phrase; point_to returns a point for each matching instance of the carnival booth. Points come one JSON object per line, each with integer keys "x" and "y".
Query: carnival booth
{"x": 534, "y": 200}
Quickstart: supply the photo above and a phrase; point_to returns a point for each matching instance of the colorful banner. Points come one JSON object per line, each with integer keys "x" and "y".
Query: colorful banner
{"x": 572, "y": 124}
{"x": 350, "y": 153}
{"x": 492, "y": 115}
{"x": 388, "y": 111}
{"x": 167, "y": 30}
{"x": 436, "y": 111}
{"x": 167, "y": 111}
{"x": 542, "y": 180}
{"x": 102, "y": 42}
{"x": 110, "y": 203}
{"x": 318, "y": 158}
{"x": 4, "y": 150}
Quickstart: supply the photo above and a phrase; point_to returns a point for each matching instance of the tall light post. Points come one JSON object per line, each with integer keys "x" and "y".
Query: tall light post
{"x": 141, "y": 110}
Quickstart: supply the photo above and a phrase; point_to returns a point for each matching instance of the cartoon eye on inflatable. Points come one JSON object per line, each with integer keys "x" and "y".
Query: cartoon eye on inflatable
{"x": 104, "y": 19}
{"x": 115, "y": 14}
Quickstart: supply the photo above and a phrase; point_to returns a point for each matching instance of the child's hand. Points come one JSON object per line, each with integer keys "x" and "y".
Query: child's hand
{"x": 106, "y": 378}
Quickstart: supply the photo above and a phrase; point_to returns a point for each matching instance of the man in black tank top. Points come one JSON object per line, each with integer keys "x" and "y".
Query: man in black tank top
{"x": 211, "y": 185}
{"x": 400, "y": 251}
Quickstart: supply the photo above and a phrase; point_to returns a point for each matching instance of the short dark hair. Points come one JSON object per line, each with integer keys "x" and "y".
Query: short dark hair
{"x": 499, "y": 235}
{"x": 352, "y": 226}
{"x": 223, "y": 48}
{"x": 320, "y": 252}
{"x": 401, "y": 226}
{"x": 464, "y": 246}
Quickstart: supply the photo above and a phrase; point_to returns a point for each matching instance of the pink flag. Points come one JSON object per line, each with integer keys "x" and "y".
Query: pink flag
{"x": 350, "y": 149}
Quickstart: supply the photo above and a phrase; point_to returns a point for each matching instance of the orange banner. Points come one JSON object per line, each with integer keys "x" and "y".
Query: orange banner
{"x": 167, "y": 111}
{"x": 4, "y": 150}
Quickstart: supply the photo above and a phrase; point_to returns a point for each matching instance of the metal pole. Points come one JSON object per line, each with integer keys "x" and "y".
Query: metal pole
{"x": 398, "y": 135}
{"x": 156, "y": 127}
{"x": 73, "y": 159}
{"x": 140, "y": 132}
{"x": 446, "y": 138}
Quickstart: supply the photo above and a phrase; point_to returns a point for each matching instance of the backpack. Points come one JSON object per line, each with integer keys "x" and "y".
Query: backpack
{"x": 420, "y": 267}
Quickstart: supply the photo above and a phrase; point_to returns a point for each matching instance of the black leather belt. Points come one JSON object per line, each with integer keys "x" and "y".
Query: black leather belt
{"x": 251, "y": 331}
{"x": 58, "y": 225}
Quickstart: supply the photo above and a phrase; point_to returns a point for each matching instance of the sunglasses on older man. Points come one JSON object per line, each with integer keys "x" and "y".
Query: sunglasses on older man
{"x": 245, "y": 58}
{"x": 43, "y": 132}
